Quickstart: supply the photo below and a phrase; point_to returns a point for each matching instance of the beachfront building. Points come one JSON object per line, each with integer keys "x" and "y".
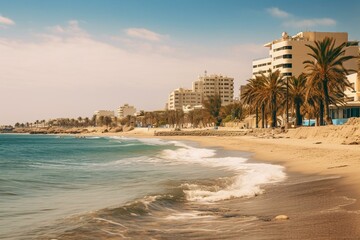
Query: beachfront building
{"x": 202, "y": 89}
{"x": 183, "y": 97}
{"x": 104, "y": 113}
{"x": 126, "y": 110}
{"x": 288, "y": 53}
{"x": 210, "y": 85}
{"x": 352, "y": 106}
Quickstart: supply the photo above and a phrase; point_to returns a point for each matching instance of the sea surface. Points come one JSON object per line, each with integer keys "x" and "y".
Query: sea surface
{"x": 64, "y": 187}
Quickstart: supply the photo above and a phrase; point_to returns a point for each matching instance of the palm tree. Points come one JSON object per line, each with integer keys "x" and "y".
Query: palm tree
{"x": 326, "y": 71}
{"x": 273, "y": 91}
{"x": 267, "y": 91}
{"x": 213, "y": 106}
{"x": 297, "y": 92}
{"x": 250, "y": 96}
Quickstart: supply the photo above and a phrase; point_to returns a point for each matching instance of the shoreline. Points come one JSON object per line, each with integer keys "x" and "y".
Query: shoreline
{"x": 320, "y": 194}
{"x": 322, "y": 202}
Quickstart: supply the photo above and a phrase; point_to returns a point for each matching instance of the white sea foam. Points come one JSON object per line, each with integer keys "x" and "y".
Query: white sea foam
{"x": 146, "y": 141}
{"x": 188, "y": 215}
{"x": 248, "y": 181}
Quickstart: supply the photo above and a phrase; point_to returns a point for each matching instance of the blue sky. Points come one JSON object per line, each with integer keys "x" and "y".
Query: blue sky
{"x": 120, "y": 50}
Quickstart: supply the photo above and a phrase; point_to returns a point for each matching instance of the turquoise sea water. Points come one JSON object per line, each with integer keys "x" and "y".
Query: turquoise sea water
{"x": 53, "y": 186}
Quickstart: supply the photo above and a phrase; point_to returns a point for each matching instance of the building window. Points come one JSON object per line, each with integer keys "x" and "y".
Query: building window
{"x": 287, "y": 74}
{"x": 287, "y": 56}
{"x": 282, "y": 48}
{"x": 287, "y": 65}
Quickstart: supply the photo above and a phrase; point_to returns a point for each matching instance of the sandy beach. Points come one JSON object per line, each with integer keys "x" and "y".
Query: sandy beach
{"x": 321, "y": 196}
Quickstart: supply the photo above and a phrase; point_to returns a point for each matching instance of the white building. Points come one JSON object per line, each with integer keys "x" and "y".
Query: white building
{"x": 289, "y": 52}
{"x": 183, "y": 97}
{"x": 202, "y": 88}
{"x": 104, "y": 113}
{"x": 352, "y": 107}
{"x": 126, "y": 110}
{"x": 215, "y": 84}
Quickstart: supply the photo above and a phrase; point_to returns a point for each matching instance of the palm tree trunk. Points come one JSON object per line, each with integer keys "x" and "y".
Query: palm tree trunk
{"x": 273, "y": 113}
{"x": 263, "y": 115}
{"x": 257, "y": 117}
{"x": 298, "y": 114}
{"x": 327, "y": 103}
{"x": 321, "y": 114}
{"x": 273, "y": 118}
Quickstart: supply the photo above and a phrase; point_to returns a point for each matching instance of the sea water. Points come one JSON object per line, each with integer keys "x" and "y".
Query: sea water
{"x": 66, "y": 187}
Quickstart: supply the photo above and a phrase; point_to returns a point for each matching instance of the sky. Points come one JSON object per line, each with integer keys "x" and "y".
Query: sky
{"x": 70, "y": 58}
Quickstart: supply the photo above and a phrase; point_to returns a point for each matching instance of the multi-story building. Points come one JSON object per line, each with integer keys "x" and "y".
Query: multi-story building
{"x": 352, "y": 106}
{"x": 215, "y": 84}
{"x": 104, "y": 113}
{"x": 204, "y": 87}
{"x": 289, "y": 52}
{"x": 126, "y": 110}
{"x": 183, "y": 97}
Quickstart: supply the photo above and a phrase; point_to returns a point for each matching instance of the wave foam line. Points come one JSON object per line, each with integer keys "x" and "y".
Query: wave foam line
{"x": 247, "y": 182}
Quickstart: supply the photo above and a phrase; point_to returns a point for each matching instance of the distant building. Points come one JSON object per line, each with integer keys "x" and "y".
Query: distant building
{"x": 183, "y": 97}
{"x": 215, "y": 84}
{"x": 241, "y": 90}
{"x": 126, "y": 110}
{"x": 104, "y": 113}
{"x": 288, "y": 53}
{"x": 202, "y": 88}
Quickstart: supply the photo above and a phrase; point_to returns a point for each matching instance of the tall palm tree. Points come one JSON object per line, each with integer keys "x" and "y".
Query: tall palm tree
{"x": 326, "y": 71}
{"x": 272, "y": 92}
{"x": 267, "y": 91}
{"x": 251, "y": 97}
{"x": 297, "y": 92}
{"x": 213, "y": 106}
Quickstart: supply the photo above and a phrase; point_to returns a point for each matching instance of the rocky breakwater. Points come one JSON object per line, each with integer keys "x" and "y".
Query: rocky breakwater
{"x": 261, "y": 133}
{"x": 200, "y": 133}
{"x": 50, "y": 130}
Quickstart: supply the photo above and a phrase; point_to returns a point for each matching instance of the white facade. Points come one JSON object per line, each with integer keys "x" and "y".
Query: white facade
{"x": 352, "y": 107}
{"x": 189, "y": 108}
{"x": 183, "y": 97}
{"x": 215, "y": 84}
{"x": 289, "y": 52}
{"x": 104, "y": 113}
{"x": 126, "y": 110}
{"x": 204, "y": 87}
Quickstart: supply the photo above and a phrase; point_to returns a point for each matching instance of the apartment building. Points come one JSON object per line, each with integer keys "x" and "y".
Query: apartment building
{"x": 126, "y": 110}
{"x": 202, "y": 88}
{"x": 288, "y": 53}
{"x": 183, "y": 97}
{"x": 352, "y": 106}
{"x": 215, "y": 84}
{"x": 104, "y": 113}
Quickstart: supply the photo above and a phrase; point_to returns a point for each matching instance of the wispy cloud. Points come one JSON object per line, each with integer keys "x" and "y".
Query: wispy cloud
{"x": 310, "y": 22}
{"x": 71, "y": 29}
{"x": 144, "y": 34}
{"x": 276, "y": 12}
{"x": 289, "y": 20}
{"x": 6, "y": 21}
